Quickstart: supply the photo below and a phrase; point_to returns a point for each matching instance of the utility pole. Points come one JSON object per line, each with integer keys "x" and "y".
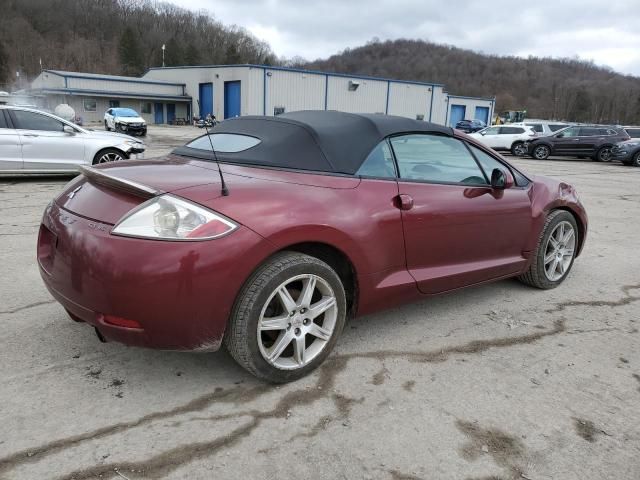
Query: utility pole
{"x": 163, "y": 48}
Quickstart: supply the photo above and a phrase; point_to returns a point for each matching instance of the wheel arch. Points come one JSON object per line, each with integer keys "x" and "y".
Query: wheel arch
{"x": 338, "y": 261}
{"x": 102, "y": 149}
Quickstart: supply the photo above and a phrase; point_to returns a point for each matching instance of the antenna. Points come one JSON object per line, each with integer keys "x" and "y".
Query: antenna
{"x": 224, "y": 190}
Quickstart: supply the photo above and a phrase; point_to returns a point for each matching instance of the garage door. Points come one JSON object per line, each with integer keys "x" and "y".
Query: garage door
{"x": 457, "y": 113}
{"x": 206, "y": 99}
{"x": 231, "y": 99}
{"x": 482, "y": 113}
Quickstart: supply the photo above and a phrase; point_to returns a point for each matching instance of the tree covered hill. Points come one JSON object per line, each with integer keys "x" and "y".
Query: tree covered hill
{"x": 566, "y": 89}
{"x": 115, "y": 37}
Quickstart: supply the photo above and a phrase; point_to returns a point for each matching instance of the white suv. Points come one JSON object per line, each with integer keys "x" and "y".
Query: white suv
{"x": 506, "y": 137}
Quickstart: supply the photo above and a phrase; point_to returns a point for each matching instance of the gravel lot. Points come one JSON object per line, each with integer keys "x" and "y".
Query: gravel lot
{"x": 495, "y": 382}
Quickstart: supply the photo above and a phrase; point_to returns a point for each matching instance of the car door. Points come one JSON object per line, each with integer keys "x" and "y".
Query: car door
{"x": 590, "y": 139}
{"x": 508, "y": 135}
{"x": 10, "y": 146}
{"x": 566, "y": 141}
{"x": 458, "y": 231}
{"x": 45, "y": 144}
{"x": 490, "y": 137}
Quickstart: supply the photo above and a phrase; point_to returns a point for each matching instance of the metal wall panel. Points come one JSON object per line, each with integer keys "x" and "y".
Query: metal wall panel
{"x": 294, "y": 91}
{"x": 369, "y": 97}
{"x": 411, "y": 101}
{"x": 124, "y": 87}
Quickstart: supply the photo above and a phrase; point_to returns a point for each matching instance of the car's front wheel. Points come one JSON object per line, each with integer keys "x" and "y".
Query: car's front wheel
{"x": 287, "y": 317}
{"x": 108, "y": 155}
{"x": 106, "y": 126}
{"x": 555, "y": 252}
{"x": 635, "y": 161}
{"x": 541, "y": 152}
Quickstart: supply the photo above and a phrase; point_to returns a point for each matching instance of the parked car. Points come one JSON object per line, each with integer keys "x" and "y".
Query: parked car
{"x": 470, "y": 126}
{"x": 593, "y": 141}
{"x": 627, "y": 152}
{"x": 545, "y": 127}
{"x": 307, "y": 219}
{"x": 125, "y": 120}
{"x": 32, "y": 141}
{"x": 507, "y": 137}
{"x": 633, "y": 132}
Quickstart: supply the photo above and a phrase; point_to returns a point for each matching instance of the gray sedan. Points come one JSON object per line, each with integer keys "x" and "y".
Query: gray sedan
{"x": 32, "y": 141}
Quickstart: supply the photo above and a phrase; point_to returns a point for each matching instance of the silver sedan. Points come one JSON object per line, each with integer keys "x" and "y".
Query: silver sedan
{"x": 32, "y": 141}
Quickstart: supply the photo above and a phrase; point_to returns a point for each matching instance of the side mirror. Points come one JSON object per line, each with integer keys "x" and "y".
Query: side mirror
{"x": 501, "y": 179}
{"x": 483, "y": 133}
{"x": 69, "y": 130}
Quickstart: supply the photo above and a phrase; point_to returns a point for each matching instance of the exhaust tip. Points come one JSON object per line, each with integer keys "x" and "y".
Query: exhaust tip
{"x": 100, "y": 336}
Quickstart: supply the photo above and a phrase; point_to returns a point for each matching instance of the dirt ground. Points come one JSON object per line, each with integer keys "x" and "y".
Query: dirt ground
{"x": 496, "y": 382}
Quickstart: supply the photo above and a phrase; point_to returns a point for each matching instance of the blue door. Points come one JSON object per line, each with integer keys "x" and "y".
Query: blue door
{"x": 457, "y": 113}
{"x": 231, "y": 99}
{"x": 159, "y": 113}
{"x": 171, "y": 112}
{"x": 206, "y": 99}
{"x": 482, "y": 113}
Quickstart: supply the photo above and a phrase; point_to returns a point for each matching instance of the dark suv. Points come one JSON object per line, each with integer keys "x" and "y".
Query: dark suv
{"x": 593, "y": 141}
{"x": 470, "y": 126}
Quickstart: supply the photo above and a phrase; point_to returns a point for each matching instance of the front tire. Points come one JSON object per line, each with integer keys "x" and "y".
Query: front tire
{"x": 287, "y": 317}
{"x": 541, "y": 152}
{"x": 635, "y": 162}
{"x": 106, "y": 126}
{"x": 108, "y": 155}
{"x": 555, "y": 252}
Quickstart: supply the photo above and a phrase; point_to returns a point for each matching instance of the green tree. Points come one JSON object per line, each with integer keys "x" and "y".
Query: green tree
{"x": 192, "y": 55}
{"x": 130, "y": 53}
{"x": 173, "y": 55}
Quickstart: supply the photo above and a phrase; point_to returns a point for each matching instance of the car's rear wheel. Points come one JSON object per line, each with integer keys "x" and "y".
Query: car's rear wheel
{"x": 541, "y": 152}
{"x": 287, "y": 317}
{"x": 604, "y": 154}
{"x": 108, "y": 155}
{"x": 518, "y": 149}
{"x": 554, "y": 252}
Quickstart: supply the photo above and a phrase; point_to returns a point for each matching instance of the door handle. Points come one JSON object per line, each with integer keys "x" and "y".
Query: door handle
{"x": 403, "y": 201}
{"x": 31, "y": 135}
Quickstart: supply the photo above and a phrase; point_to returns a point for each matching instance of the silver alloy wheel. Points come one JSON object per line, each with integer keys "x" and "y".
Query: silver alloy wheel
{"x": 110, "y": 157}
{"x": 541, "y": 152}
{"x": 519, "y": 149}
{"x": 604, "y": 155}
{"x": 559, "y": 251}
{"x": 297, "y": 321}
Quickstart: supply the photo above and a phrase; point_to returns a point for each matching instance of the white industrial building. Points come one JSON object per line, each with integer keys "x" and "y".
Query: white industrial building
{"x": 170, "y": 94}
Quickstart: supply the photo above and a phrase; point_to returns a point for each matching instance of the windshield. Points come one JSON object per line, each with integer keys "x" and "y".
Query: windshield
{"x": 124, "y": 112}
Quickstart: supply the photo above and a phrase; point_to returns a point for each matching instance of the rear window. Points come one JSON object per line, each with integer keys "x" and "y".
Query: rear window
{"x": 634, "y": 132}
{"x": 224, "y": 142}
{"x": 537, "y": 127}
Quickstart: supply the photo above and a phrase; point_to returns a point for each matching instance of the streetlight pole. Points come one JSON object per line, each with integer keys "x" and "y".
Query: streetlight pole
{"x": 163, "y": 47}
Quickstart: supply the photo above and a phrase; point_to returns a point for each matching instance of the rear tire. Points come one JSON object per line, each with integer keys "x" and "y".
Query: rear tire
{"x": 518, "y": 149}
{"x": 281, "y": 343}
{"x": 603, "y": 155}
{"x": 543, "y": 272}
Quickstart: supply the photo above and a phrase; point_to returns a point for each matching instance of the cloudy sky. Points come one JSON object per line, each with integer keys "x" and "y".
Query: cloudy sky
{"x": 606, "y": 32}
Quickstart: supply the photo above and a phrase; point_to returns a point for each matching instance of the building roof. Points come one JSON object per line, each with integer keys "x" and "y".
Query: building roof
{"x": 325, "y": 141}
{"x": 113, "y": 78}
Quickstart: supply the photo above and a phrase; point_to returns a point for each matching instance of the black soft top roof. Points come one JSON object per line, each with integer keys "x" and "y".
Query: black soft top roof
{"x": 325, "y": 141}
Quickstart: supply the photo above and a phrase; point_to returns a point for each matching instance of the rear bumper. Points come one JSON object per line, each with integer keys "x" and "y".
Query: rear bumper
{"x": 180, "y": 293}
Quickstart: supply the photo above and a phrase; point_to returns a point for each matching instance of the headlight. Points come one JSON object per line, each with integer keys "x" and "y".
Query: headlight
{"x": 632, "y": 144}
{"x": 171, "y": 218}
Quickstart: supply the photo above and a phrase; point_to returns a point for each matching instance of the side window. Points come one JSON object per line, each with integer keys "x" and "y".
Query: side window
{"x": 633, "y": 132}
{"x": 37, "y": 121}
{"x": 3, "y": 121}
{"x": 510, "y": 130}
{"x": 437, "y": 159}
{"x": 379, "y": 163}
{"x": 537, "y": 127}
{"x": 589, "y": 132}
{"x": 492, "y": 131}
{"x": 570, "y": 132}
{"x": 488, "y": 163}
{"x": 555, "y": 128}
{"x": 109, "y": 112}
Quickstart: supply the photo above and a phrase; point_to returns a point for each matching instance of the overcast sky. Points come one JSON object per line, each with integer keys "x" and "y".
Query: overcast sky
{"x": 607, "y": 32}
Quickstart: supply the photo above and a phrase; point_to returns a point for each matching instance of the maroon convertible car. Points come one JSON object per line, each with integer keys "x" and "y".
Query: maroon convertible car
{"x": 291, "y": 224}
